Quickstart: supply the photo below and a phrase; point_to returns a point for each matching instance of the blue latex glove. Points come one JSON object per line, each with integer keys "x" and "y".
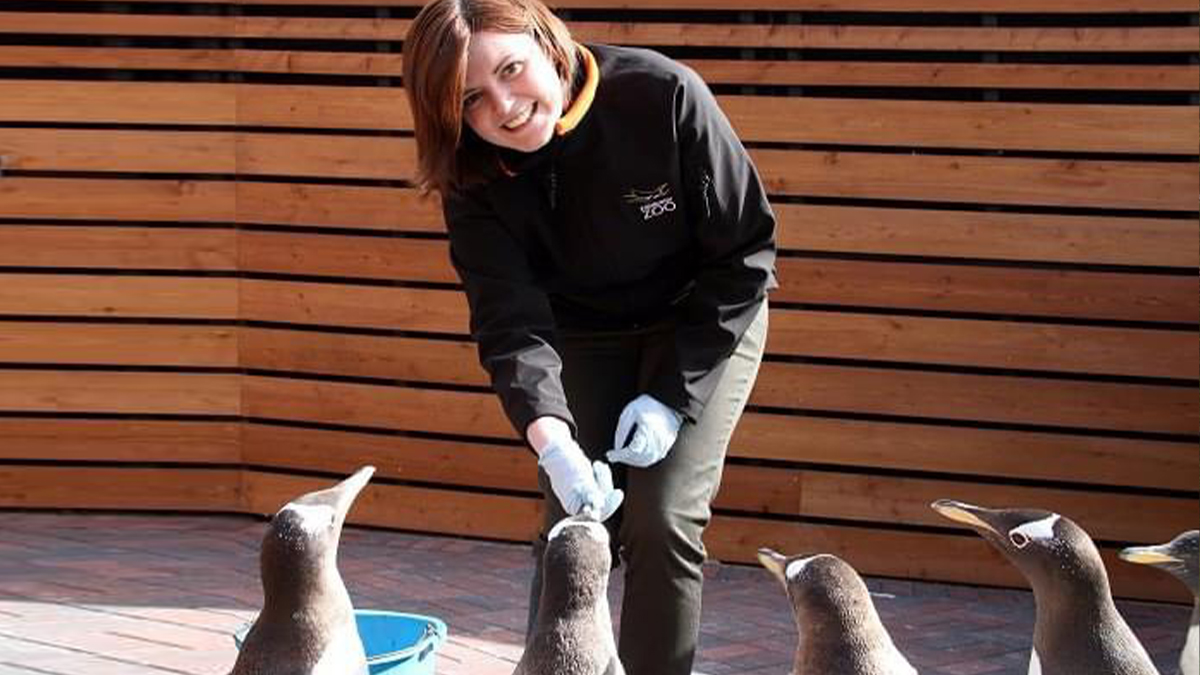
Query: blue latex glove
{"x": 581, "y": 487}
{"x": 654, "y": 427}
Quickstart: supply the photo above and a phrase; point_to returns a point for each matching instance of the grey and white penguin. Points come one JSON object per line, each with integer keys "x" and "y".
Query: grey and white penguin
{"x": 1078, "y": 630}
{"x": 306, "y": 626}
{"x": 573, "y": 634}
{"x": 840, "y": 631}
{"x": 1178, "y": 557}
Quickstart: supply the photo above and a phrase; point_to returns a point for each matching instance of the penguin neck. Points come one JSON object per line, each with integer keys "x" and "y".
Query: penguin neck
{"x": 574, "y": 602}
{"x": 850, "y": 628}
{"x": 287, "y": 595}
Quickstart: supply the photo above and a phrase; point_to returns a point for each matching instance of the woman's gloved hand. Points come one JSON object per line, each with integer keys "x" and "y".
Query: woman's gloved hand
{"x": 581, "y": 486}
{"x": 654, "y": 428}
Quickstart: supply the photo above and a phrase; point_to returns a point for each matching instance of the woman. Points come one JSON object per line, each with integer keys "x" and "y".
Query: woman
{"x": 616, "y": 247}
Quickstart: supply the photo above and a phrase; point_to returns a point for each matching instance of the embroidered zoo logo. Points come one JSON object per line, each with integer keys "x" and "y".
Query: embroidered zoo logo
{"x": 652, "y": 203}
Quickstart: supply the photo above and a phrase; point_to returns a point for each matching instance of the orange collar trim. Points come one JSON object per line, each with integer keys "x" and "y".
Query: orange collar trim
{"x": 583, "y": 102}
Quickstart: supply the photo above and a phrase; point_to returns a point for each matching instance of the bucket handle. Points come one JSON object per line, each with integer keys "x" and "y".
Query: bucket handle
{"x": 422, "y": 648}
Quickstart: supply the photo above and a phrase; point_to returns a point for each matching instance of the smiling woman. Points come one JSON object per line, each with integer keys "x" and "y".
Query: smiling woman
{"x": 616, "y": 248}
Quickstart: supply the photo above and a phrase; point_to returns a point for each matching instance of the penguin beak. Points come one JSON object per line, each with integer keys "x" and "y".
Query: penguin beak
{"x": 961, "y": 512}
{"x": 347, "y": 491}
{"x": 1148, "y": 555}
{"x": 776, "y": 564}
{"x": 340, "y": 497}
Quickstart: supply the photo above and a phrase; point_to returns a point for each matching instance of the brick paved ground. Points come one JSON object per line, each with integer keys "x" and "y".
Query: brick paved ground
{"x": 149, "y": 595}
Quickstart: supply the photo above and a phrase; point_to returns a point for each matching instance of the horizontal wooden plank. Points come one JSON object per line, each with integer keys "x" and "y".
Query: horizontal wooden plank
{"x": 946, "y": 74}
{"x": 968, "y": 450}
{"x": 893, "y": 553}
{"x": 409, "y": 508}
{"x": 413, "y": 309}
{"x": 118, "y": 344}
{"x": 962, "y": 124}
{"x": 341, "y": 256}
{"x": 119, "y": 247}
{"x": 101, "y": 487}
{"x": 986, "y": 398}
{"x": 344, "y": 354}
{"x": 118, "y": 296}
{"x": 51, "y": 391}
{"x": 993, "y": 344}
{"x": 988, "y": 289}
{"x": 118, "y": 102}
{"x": 505, "y": 467}
{"x": 1063, "y": 6}
{"x": 117, "y": 199}
{"x": 326, "y": 156}
{"x": 432, "y": 410}
{"x": 893, "y": 500}
{"x": 383, "y": 108}
{"x": 120, "y": 440}
{"x": 984, "y": 180}
{"x": 337, "y": 206}
{"x": 986, "y": 235}
{"x": 114, "y": 150}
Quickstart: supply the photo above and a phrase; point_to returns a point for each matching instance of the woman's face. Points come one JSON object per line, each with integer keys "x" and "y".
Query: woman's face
{"x": 513, "y": 95}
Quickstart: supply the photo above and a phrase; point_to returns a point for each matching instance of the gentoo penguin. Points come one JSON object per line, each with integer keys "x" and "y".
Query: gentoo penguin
{"x": 840, "y": 632}
{"x": 573, "y": 634}
{"x": 306, "y": 626}
{"x": 1178, "y": 557}
{"x": 1078, "y": 630}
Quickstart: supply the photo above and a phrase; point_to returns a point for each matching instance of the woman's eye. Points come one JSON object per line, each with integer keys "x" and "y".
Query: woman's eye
{"x": 513, "y": 69}
{"x": 470, "y": 101}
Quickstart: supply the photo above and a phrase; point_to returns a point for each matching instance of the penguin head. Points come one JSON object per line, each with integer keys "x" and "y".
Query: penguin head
{"x": 577, "y": 560}
{"x": 302, "y": 539}
{"x": 821, "y": 587}
{"x": 1045, "y": 546}
{"x": 1178, "y": 556}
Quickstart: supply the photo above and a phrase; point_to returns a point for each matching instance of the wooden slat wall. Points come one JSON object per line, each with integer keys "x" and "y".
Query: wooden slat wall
{"x": 217, "y": 288}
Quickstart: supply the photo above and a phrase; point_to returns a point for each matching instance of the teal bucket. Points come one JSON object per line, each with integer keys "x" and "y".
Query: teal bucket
{"x": 396, "y": 643}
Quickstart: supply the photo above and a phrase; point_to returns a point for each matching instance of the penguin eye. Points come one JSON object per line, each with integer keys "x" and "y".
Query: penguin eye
{"x": 1018, "y": 539}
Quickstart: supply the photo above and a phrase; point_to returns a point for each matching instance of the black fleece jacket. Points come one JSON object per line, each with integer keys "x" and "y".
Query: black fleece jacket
{"x": 648, "y": 210}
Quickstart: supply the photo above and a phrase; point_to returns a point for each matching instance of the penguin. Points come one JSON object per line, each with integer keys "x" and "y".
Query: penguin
{"x": 1178, "y": 557}
{"x": 573, "y": 634}
{"x": 840, "y": 631}
{"x": 307, "y": 625}
{"x": 1078, "y": 630}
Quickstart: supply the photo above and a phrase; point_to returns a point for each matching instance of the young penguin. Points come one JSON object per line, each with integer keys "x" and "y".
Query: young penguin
{"x": 1078, "y": 630}
{"x": 573, "y": 634}
{"x": 840, "y": 632}
{"x": 1178, "y": 557}
{"x": 306, "y": 626}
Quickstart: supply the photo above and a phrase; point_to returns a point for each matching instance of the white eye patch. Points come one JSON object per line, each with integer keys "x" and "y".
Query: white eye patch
{"x": 313, "y": 519}
{"x": 1035, "y": 529}
{"x": 795, "y": 567}
{"x": 594, "y": 529}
